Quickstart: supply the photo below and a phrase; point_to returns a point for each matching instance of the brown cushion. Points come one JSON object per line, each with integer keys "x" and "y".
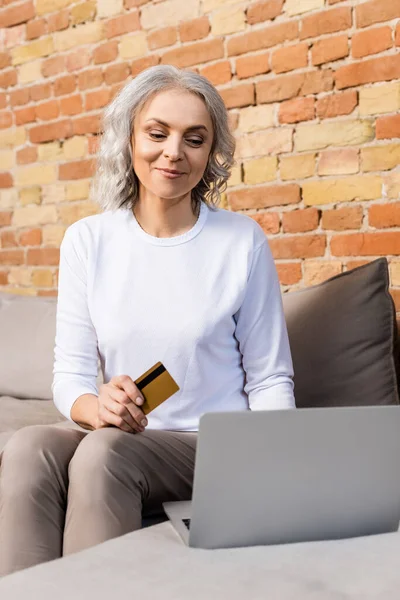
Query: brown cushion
{"x": 342, "y": 335}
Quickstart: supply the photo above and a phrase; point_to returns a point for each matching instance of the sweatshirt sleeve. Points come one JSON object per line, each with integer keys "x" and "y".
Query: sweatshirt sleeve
{"x": 75, "y": 352}
{"x": 263, "y": 338}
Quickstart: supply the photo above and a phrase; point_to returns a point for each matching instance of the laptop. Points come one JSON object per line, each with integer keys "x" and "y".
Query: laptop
{"x": 283, "y": 476}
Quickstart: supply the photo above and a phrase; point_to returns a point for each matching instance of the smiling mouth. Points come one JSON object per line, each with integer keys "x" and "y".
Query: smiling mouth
{"x": 171, "y": 171}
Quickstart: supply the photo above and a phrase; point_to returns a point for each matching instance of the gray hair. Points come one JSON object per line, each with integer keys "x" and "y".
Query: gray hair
{"x": 115, "y": 183}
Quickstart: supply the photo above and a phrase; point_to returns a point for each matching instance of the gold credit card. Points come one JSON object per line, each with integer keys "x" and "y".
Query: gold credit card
{"x": 156, "y": 385}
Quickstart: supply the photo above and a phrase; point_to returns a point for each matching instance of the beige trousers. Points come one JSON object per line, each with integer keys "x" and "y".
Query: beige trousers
{"x": 63, "y": 490}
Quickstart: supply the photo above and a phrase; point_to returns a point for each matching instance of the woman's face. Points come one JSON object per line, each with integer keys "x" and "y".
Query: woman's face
{"x": 171, "y": 143}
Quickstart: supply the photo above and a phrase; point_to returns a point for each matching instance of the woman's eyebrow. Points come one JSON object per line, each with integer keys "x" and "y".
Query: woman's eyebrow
{"x": 166, "y": 124}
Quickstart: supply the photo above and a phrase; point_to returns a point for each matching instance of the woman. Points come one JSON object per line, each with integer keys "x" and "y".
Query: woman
{"x": 161, "y": 275}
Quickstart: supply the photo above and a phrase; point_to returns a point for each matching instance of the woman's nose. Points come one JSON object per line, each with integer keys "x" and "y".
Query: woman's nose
{"x": 173, "y": 149}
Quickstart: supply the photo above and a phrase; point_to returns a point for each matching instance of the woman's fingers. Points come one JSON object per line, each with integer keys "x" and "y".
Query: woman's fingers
{"x": 109, "y": 418}
{"x": 126, "y": 383}
{"x": 122, "y": 411}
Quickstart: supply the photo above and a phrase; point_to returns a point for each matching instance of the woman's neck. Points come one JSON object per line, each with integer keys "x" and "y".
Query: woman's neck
{"x": 163, "y": 218}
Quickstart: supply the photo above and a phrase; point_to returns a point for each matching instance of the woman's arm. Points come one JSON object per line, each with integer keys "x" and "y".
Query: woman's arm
{"x": 75, "y": 352}
{"x": 263, "y": 339}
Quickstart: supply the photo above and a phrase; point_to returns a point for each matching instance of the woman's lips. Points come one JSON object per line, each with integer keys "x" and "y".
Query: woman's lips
{"x": 170, "y": 175}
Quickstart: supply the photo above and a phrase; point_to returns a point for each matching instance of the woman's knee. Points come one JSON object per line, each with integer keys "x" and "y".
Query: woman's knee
{"x": 106, "y": 453}
{"x": 33, "y": 453}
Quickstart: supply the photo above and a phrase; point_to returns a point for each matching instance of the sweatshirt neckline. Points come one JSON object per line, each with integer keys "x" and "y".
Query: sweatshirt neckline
{"x": 176, "y": 239}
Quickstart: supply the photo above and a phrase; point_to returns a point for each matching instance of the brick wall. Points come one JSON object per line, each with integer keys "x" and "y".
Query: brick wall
{"x": 312, "y": 87}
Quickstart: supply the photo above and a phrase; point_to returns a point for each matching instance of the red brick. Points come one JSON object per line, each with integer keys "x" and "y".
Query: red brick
{"x": 167, "y": 36}
{"x": 5, "y": 60}
{"x": 196, "y": 29}
{"x": 71, "y": 105}
{"x": 5, "y": 218}
{"x": 298, "y": 221}
{"x": 25, "y": 115}
{"x": 193, "y": 54}
{"x": 47, "y": 111}
{"x": 8, "y": 78}
{"x": 373, "y": 70}
{"x": 366, "y": 244}
{"x": 105, "y": 53}
{"x": 64, "y": 85}
{"x": 290, "y": 58}
{"x": 80, "y": 169}
{"x": 289, "y": 273}
{"x": 3, "y": 100}
{"x": 58, "y": 21}
{"x": 296, "y": 110}
{"x": 93, "y": 144}
{"x": 334, "y": 105}
{"x": 36, "y": 28}
{"x": 269, "y": 221}
{"x": 51, "y": 131}
{"x": 75, "y": 61}
{"x": 3, "y": 278}
{"x": 40, "y": 92}
{"x": 377, "y": 11}
{"x": 27, "y": 155}
{"x": 327, "y": 21}
{"x": 341, "y": 219}
{"x": 19, "y": 97}
{"x": 43, "y": 256}
{"x": 264, "y": 11}
{"x": 122, "y": 24}
{"x": 6, "y": 180}
{"x": 53, "y": 66}
{"x": 397, "y": 38}
{"x": 84, "y": 125}
{"x": 12, "y": 257}
{"x": 115, "y": 89}
{"x": 238, "y": 96}
{"x": 14, "y": 15}
{"x": 395, "y": 293}
{"x": 140, "y": 64}
{"x": 371, "y": 41}
{"x": 90, "y": 79}
{"x": 388, "y": 127}
{"x": 330, "y": 49}
{"x": 6, "y": 119}
{"x": 263, "y": 38}
{"x": 264, "y": 196}
{"x": 30, "y": 237}
{"x": 255, "y": 64}
{"x": 384, "y": 215}
{"x": 290, "y": 86}
{"x": 299, "y": 246}
{"x": 97, "y": 99}
{"x": 8, "y": 239}
{"x": 218, "y": 73}
{"x": 116, "y": 73}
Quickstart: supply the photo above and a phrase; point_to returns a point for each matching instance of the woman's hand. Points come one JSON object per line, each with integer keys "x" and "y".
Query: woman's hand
{"x": 118, "y": 405}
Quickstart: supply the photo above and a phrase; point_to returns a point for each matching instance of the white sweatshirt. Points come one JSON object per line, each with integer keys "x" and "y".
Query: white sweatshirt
{"x": 206, "y": 303}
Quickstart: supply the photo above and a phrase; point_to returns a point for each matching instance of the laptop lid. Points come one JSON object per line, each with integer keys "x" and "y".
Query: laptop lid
{"x": 269, "y": 477}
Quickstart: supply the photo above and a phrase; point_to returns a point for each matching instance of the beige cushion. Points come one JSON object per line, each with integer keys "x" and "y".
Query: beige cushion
{"x": 342, "y": 336}
{"x": 28, "y": 329}
{"x": 154, "y": 564}
{"x": 15, "y": 413}
{"x": 27, "y": 326}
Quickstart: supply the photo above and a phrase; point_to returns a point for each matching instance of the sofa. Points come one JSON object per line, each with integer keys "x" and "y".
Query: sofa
{"x": 345, "y": 347}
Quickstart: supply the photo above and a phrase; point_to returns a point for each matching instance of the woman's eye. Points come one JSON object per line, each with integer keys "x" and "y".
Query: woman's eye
{"x": 195, "y": 141}
{"x": 157, "y": 136}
